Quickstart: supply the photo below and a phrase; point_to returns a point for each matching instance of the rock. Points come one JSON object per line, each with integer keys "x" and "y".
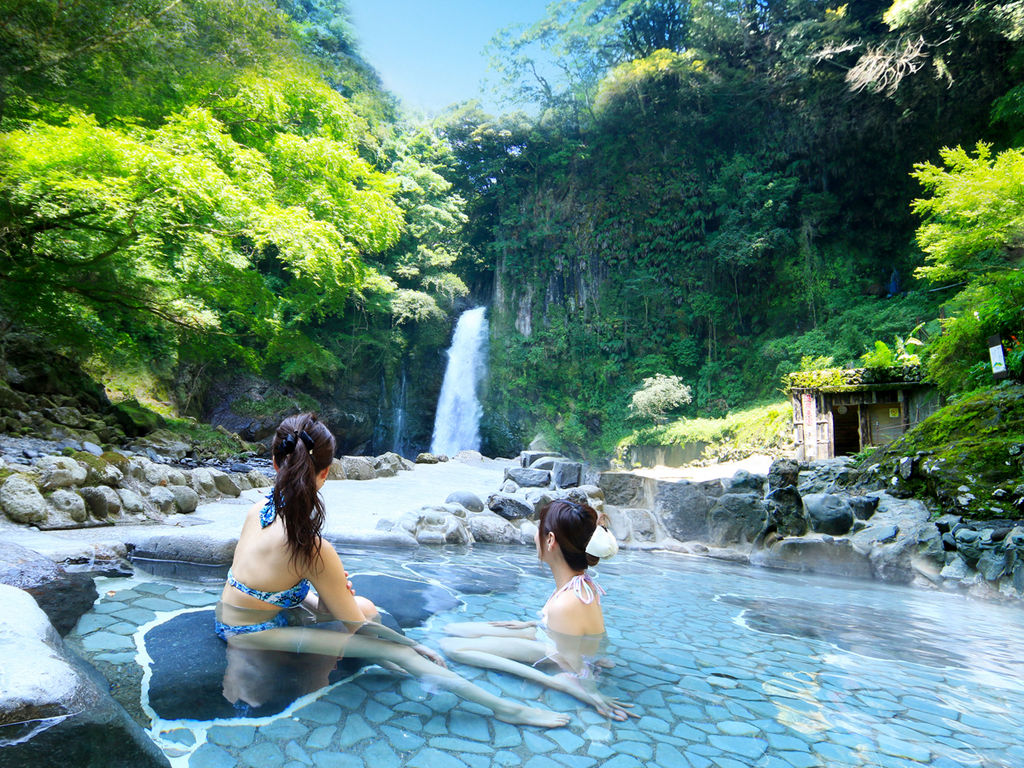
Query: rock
{"x": 11, "y": 400}
{"x": 163, "y": 499}
{"x": 682, "y": 508}
{"x": 491, "y": 528}
{"x": 131, "y": 502}
{"x": 196, "y": 676}
{"x": 168, "y": 547}
{"x": 836, "y": 557}
{"x": 545, "y": 462}
{"x": 225, "y": 483}
{"x": 509, "y": 487}
{"x": 427, "y": 458}
{"x": 259, "y": 480}
{"x": 643, "y": 525}
{"x": 624, "y": 489}
{"x": 176, "y": 477}
{"x": 59, "y": 710}
{"x": 968, "y": 545}
{"x": 336, "y": 470}
{"x": 531, "y": 478}
{"x": 619, "y": 523}
{"x": 467, "y": 499}
{"x": 390, "y": 463}
{"x": 103, "y": 501}
{"x": 69, "y": 504}
{"x": 358, "y": 468}
{"x": 21, "y": 500}
{"x": 527, "y": 458}
{"x": 156, "y": 474}
{"x": 64, "y": 596}
{"x": 566, "y": 474}
{"x": 863, "y": 506}
{"x": 527, "y": 531}
{"x": 993, "y": 563}
{"x": 785, "y": 512}
{"x": 875, "y": 534}
{"x": 955, "y": 570}
{"x": 60, "y": 472}
{"x": 185, "y": 498}
{"x": 437, "y": 524}
{"x": 783, "y": 473}
{"x": 744, "y": 482}
{"x": 736, "y": 518}
{"x": 828, "y": 513}
{"x": 905, "y": 468}
{"x": 508, "y": 506}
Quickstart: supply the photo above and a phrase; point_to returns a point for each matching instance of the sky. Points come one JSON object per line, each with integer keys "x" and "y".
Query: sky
{"x": 430, "y": 52}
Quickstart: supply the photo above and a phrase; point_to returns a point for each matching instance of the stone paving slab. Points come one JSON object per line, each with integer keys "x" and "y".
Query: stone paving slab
{"x": 798, "y": 700}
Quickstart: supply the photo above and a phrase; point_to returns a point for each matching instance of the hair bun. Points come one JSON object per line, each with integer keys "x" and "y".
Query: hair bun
{"x": 602, "y": 544}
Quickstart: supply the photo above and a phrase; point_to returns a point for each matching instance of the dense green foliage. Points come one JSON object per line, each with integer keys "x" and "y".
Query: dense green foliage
{"x": 722, "y": 204}
{"x": 208, "y": 184}
{"x": 711, "y": 193}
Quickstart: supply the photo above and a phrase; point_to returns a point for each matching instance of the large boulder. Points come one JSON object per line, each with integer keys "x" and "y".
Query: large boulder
{"x": 468, "y": 499}
{"x": 102, "y": 501}
{"x": 509, "y": 506}
{"x": 57, "y": 710}
{"x": 624, "y": 489}
{"x": 491, "y": 528}
{"x": 744, "y": 482}
{"x": 21, "y": 500}
{"x": 736, "y": 519}
{"x": 226, "y": 484}
{"x": 69, "y": 505}
{"x": 527, "y": 458}
{"x": 437, "y": 524}
{"x": 390, "y": 464}
{"x": 531, "y": 478}
{"x": 566, "y": 474}
{"x": 60, "y": 472}
{"x": 786, "y": 514}
{"x": 358, "y": 468}
{"x": 185, "y": 499}
{"x": 206, "y": 550}
{"x": 835, "y": 557}
{"x": 783, "y": 473}
{"x": 829, "y": 513}
{"x": 63, "y": 596}
{"x": 683, "y": 509}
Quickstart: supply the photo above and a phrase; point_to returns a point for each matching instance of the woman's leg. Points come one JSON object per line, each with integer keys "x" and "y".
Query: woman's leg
{"x": 517, "y": 657}
{"x": 487, "y": 629}
{"x": 307, "y": 640}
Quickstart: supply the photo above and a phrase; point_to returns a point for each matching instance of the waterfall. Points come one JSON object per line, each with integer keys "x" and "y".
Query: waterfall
{"x": 398, "y": 441}
{"x": 457, "y": 423}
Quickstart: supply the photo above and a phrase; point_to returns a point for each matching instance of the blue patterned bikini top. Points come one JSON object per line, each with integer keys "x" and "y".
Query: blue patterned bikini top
{"x": 286, "y": 598}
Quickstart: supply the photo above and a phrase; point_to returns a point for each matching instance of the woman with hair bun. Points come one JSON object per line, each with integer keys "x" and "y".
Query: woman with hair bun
{"x": 570, "y": 633}
{"x": 281, "y": 563}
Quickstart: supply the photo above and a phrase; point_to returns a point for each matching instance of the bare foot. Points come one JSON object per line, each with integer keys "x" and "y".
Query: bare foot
{"x": 605, "y": 705}
{"x": 520, "y": 715}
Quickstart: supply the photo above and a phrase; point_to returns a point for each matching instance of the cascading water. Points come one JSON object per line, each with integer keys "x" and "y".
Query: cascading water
{"x": 457, "y": 423}
{"x": 398, "y": 441}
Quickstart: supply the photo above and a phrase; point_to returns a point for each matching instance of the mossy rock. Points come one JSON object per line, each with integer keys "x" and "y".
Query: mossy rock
{"x": 135, "y": 419}
{"x": 974, "y": 443}
{"x": 119, "y": 461}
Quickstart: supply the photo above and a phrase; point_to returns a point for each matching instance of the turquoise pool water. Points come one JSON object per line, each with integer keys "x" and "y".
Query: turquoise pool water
{"x": 727, "y": 666}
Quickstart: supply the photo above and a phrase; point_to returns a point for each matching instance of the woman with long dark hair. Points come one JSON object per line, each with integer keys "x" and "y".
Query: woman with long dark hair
{"x": 281, "y": 562}
{"x": 570, "y": 635}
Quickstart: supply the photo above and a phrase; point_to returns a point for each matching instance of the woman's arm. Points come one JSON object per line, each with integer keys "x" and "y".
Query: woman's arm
{"x": 330, "y": 580}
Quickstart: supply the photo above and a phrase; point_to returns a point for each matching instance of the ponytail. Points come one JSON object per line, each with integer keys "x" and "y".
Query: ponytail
{"x": 302, "y": 448}
{"x": 573, "y": 525}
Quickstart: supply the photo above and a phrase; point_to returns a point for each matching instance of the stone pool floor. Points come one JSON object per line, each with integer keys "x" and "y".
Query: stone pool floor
{"x": 727, "y": 666}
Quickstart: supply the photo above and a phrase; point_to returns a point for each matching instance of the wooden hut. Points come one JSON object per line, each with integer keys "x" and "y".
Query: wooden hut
{"x": 838, "y": 412}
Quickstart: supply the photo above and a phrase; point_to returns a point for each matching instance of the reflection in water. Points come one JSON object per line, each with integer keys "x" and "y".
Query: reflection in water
{"x": 259, "y": 682}
{"x": 863, "y": 630}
